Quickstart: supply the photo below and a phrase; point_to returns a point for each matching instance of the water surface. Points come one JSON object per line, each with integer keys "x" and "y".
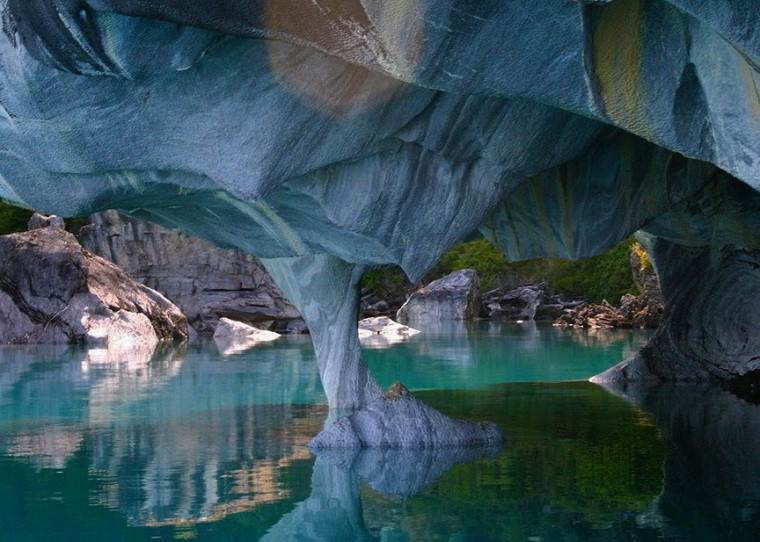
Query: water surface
{"x": 185, "y": 443}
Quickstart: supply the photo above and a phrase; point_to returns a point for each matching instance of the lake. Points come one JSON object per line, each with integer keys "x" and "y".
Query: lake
{"x": 189, "y": 444}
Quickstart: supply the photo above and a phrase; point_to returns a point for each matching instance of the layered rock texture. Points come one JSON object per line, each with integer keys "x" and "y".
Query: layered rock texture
{"x": 205, "y": 281}
{"x": 326, "y": 136}
{"x": 54, "y": 291}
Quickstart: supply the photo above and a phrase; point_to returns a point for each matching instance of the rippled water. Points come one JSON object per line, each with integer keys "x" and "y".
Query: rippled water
{"x": 186, "y": 443}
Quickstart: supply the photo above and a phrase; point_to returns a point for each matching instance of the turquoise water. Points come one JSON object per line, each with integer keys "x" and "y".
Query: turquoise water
{"x": 187, "y": 444}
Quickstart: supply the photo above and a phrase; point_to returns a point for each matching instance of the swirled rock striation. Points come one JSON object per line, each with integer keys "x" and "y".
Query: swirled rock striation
{"x": 327, "y": 136}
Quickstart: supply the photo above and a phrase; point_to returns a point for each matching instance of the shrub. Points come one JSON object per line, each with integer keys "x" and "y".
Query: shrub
{"x": 607, "y": 276}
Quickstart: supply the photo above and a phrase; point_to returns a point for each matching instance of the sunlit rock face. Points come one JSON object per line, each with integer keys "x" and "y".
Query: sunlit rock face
{"x": 346, "y": 134}
{"x": 206, "y": 282}
{"x": 54, "y": 291}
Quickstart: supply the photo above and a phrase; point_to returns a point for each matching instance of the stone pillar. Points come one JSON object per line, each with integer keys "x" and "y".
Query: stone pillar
{"x": 711, "y": 327}
{"x": 325, "y": 289}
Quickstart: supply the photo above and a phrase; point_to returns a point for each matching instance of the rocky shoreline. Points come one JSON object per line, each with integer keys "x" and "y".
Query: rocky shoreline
{"x": 52, "y": 290}
{"x": 132, "y": 273}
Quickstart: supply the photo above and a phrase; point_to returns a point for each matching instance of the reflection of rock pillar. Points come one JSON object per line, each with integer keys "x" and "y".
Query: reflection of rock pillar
{"x": 325, "y": 290}
{"x": 333, "y": 511}
{"x": 711, "y": 328}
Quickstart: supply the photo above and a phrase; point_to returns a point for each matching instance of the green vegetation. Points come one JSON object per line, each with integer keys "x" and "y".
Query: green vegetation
{"x": 607, "y": 276}
{"x": 560, "y": 475}
{"x": 13, "y": 219}
{"x": 481, "y": 255}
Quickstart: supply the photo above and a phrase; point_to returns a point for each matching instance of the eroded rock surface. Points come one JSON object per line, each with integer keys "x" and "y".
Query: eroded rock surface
{"x": 205, "y": 281}
{"x": 693, "y": 343}
{"x": 54, "y": 291}
{"x": 453, "y": 297}
{"x": 38, "y": 221}
{"x": 353, "y": 135}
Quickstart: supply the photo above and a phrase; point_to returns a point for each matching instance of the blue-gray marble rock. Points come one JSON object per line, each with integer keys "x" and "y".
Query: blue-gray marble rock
{"x": 325, "y": 136}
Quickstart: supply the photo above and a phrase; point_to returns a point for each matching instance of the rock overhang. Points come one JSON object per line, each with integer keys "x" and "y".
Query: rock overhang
{"x": 377, "y": 134}
{"x": 406, "y": 148}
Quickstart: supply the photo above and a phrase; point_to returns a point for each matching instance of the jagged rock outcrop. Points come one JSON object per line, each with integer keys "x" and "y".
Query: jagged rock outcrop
{"x": 635, "y": 311}
{"x": 453, "y": 297}
{"x": 38, "y": 221}
{"x": 594, "y": 316}
{"x": 205, "y": 281}
{"x": 643, "y": 311}
{"x": 54, "y": 291}
{"x": 353, "y": 135}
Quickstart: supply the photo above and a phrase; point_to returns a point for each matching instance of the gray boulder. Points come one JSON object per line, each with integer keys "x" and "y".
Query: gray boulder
{"x": 529, "y": 302}
{"x": 205, "y": 281}
{"x": 54, "y": 291}
{"x": 453, "y": 297}
{"x": 38, "y": 221}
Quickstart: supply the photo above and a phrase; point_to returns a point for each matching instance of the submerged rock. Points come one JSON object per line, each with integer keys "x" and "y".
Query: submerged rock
{"x": 453, "y": 297}
{"x": 233, "y": 337}
{"x": 205, "y": 281}
{"x": 54, "y": 291}
{"x": 398, "y": 420}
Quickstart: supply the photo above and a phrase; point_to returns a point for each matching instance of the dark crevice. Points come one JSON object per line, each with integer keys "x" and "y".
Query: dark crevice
{"x": 746, "y": 386}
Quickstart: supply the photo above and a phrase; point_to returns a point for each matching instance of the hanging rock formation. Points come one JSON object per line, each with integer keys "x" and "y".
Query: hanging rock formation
{"x": 331, "y": 135}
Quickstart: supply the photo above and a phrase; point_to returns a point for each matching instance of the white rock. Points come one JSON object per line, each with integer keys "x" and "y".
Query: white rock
{"x": 54, "y": 291}
{"x": 233, "y": 337}
{"x": 382, "y": 332}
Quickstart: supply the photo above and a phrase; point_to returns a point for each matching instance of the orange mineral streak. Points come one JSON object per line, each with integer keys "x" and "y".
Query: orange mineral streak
{"x": 365, "y": 56}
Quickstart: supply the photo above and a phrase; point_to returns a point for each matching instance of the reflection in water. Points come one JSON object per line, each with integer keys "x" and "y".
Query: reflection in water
{"x": 185, "y": 444}
{"x": 711, "y": 489}
{"x": 333, "y": 511}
